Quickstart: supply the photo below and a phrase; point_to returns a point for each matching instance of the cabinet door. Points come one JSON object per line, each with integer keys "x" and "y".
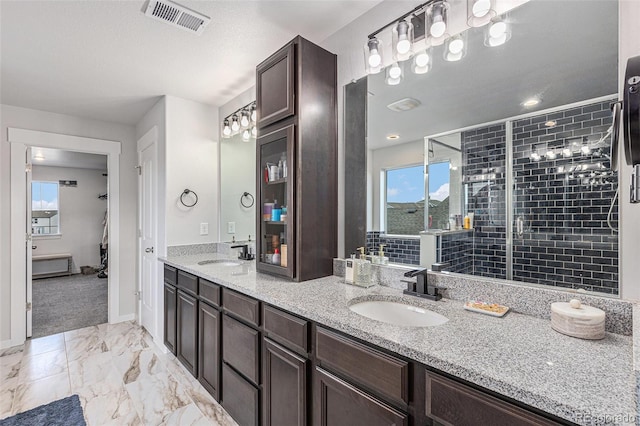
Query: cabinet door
{"x": 275, "y": 87}
{"x": 241, "y": 348}
{"x": 284, "y": 386}
{"x": 240, "y": 398}
{"x": 337, "y": 403}
{"x": 276, "y": 191}
{"x": 187, "y": 326}
{"x": 170, "y": 317}
{"x": 209, "y": 349}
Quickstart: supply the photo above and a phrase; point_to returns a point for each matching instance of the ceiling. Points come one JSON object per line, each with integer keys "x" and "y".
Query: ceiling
{"x": 558, "y": 51}
{"x": 107, "y": 60}
{"x": 61, "y": 158}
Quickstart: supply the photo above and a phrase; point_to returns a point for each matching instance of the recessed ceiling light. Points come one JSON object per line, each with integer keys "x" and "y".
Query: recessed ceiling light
{"x": 393, "y": 137}
{"x": 551, "y": 123}
{"x": 531, "y": 102}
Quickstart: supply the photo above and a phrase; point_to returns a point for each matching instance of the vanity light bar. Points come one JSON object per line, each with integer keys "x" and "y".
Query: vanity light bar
{"x": 241, "y": 121}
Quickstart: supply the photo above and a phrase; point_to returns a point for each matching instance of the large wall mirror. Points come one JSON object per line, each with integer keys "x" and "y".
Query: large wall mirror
{"x": 498, "y": 163}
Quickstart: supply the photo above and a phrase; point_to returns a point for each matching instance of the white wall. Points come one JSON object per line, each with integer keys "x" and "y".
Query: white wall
{"x": 237, "y": 175}
{"x": 24, "y": 118}
{"x": 191, "y": 162}
{"x": 629, "y": 266}
{"x": 81, "y": 214}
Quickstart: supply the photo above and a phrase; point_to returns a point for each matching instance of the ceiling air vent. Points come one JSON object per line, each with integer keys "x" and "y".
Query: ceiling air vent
{"x": 402, "y": 105}
{"x": 177, "y": 16}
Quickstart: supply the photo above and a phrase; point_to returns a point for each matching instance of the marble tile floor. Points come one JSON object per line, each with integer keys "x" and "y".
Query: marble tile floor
{"x": 119, "y": 373}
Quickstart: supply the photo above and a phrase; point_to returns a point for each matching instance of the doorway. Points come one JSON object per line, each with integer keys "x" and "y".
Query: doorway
{"x": 21, "y": 141}
{"x": 68, "y": 217}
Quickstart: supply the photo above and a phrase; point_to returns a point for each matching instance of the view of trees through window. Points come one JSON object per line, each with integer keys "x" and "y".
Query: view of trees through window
{"x": 45, "y": 214}
{"x": 405, "y": 195}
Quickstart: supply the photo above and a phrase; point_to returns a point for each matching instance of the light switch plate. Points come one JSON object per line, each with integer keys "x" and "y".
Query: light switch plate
{"x": 231, "y": 227}
{"x": 204, "y": 228}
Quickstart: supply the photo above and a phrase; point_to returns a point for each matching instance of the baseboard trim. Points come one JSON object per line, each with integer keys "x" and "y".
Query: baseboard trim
{"x": 123, "y": 318}
{"x": 6, "y": 344}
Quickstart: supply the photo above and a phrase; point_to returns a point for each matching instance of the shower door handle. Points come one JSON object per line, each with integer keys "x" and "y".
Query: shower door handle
{"x": 519, "y": 226}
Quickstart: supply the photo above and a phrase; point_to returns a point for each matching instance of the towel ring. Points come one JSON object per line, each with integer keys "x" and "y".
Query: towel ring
{"x": 247, "y": 195}
{"x": 187, "y": 192}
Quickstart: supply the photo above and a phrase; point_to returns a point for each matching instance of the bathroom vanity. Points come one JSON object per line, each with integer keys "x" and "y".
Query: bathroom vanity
{"x": 277, "y": 352}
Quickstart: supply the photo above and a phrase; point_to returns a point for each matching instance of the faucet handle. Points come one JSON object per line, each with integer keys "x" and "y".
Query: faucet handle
{"x": 415, "y": 273}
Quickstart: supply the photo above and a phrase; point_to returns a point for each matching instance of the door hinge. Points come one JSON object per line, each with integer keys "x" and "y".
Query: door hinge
{"x": 138, "y": 294}
{"x": 29, "y": 306}
{"x": 27, "y": 168}
{"x": 139, "y": 169}
{"x": 27, "y": 237}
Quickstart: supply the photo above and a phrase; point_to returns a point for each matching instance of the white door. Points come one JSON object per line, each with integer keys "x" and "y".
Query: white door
{"x": 29, "y": 244}
{"x": 147, "y": 234}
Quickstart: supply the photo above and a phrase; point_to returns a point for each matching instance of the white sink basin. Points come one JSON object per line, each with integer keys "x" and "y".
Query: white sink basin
{"x": 223, "y": 262}
{"x": 398, "y": 313}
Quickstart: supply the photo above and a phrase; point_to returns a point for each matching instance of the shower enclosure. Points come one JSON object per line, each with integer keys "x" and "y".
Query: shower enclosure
{"x": 543, "y": 197}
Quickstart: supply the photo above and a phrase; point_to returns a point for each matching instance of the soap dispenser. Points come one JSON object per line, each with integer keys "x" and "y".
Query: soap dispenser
{"x": 362, "y": 270}
{"x": 382, "y": 259}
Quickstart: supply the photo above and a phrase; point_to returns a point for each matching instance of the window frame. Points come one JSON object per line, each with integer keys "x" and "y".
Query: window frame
{"x": 57, "y": 234}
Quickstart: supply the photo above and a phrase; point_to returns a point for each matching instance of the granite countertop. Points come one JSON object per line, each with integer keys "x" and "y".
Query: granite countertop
{"x": 519, "y": 356}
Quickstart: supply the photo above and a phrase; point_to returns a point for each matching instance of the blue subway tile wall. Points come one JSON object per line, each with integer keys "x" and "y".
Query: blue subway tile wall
{"x": 563, "y": 191}
{"x": 398, "y": 249}
{"x": 457, "y": 251}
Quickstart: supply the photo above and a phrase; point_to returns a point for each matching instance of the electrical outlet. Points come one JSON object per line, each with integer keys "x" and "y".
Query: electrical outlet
{"x": 231, "y": 227}
{"x": 204, "y": 228}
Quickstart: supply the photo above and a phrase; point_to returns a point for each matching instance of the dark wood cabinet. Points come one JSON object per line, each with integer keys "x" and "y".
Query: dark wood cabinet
{"x": 337, "y": 403}
{"x": 243, "y": 307}
{"x": 285, "y": 386}
{"x": 240, "y": 398}
{"x": 275, "y": 87}
{"x": 209, "y": 349}
{"x": 187, "y": 331}
{"x": 241, "y": 348}
{"x": 452, "y": 403}
{"x": 298, "y": 113}
{"x": 170, "y": 317}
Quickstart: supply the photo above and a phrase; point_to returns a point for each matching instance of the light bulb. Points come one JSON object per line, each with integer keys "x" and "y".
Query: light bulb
{"x": 374, "y": 58}
{"x": 551, "y": 155}
{"x": 254, "y": 131}
{"x": 456, "y": 46}
{"x": 497, "y": 29}
{"x": 226, "y": 130}
{"x": 235, "y": 126}
{"x": 244, "y": 121}
{"x": 566, "y": 152}
{"x": 395, "y": 72}
{"x": 403, "y": 46}
{"x": 254, "y": 114}
{"x": 438, "y": 27}
{"x": 481, "y": 8}
{"x": 422, "y": 59}
{"x": 393, "y": 81}
{"x": 246, "y": 135}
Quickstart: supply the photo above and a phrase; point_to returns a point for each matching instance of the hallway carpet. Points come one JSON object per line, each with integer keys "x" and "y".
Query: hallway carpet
{"x": 67, "y": 303}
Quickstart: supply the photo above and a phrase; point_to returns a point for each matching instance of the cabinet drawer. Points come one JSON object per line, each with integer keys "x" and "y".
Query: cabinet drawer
{"x": 241, "y": 306}
{"x": 288, "y": 329}
{"x": 453, "y": 403}
{"x": 209, "y": 292}
{"x": 241, "y": 347}
{"x": 188, "y": 282}
{"x": 240, "y": 398}
{"x": 170, "y": 274}
{"x": 369, "y": 367}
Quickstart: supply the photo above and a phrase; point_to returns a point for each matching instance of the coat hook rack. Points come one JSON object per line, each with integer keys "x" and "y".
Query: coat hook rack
{"x": 185, "y": 193}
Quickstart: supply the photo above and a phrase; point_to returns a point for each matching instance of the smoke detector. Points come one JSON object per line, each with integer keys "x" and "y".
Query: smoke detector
{"x": 176, "y": 15}
{"x": 405, "y": 104}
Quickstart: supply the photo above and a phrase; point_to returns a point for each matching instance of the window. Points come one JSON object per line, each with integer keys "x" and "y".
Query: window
{"x": 45, "y": 213}
{"x": 439, "y": 186}
{"x": 405, "y": 200}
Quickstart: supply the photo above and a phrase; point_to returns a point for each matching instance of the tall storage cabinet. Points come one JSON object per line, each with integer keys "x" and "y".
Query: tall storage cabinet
{"x": 296, "y": 95}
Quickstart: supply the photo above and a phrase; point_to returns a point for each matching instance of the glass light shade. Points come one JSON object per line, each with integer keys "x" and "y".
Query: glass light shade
{"x": 455, "y": 48}
{"x": 226, "y": 130}
{"x": 254, "y": 114}
{"x": 480, "y": 12}
{"x": 436, "y": 23}
{"x": 244, "y": 121}
{"x": 402, "y": 37}
{"x": 373, "y": 56}
{"x": 497, "y": 33}
{"x": 421, "y": 62}
{"x": 254, "y": 131}
{"x": 246, "y": 134}
{"x": 394, "y": 74}
{"x": 235, "y": 126}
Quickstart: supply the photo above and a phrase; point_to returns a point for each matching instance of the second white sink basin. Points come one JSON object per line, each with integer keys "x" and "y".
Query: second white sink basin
{"x": 398, "y": 313}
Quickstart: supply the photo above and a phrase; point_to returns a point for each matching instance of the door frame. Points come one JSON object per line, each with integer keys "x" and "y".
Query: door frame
{"x": 148, "y": 139}
{"x": 20, "y": 139}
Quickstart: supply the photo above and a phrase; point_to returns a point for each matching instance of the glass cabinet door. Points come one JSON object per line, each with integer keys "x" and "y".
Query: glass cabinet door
{"x": 275, "y": 213}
